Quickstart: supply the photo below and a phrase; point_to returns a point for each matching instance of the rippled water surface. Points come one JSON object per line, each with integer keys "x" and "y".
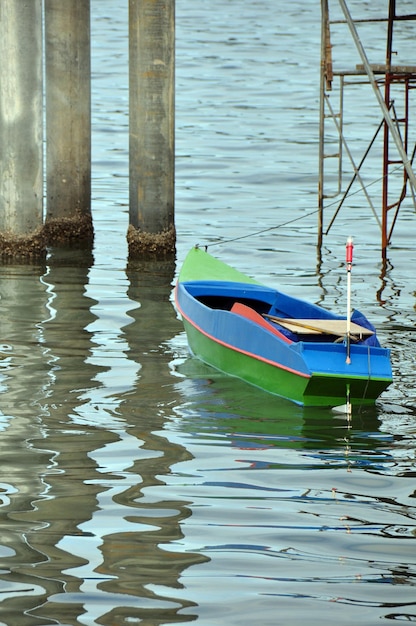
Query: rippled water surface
{"x": 139, "y": 486}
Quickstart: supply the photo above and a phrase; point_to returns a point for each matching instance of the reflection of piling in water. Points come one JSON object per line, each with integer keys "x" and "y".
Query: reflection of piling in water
{"x": 25, "y": 227}
{"x": 148, "y": 561}
{"x": 45, "y": 316}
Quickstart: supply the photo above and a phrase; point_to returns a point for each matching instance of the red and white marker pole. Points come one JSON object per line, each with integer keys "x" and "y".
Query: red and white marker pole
{"x": 349, "y": 250}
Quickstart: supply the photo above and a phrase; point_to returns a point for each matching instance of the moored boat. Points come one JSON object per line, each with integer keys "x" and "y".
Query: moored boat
{"x": 284, "y": 345}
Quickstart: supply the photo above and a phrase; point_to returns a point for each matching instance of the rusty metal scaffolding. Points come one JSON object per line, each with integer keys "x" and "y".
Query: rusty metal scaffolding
{"x": 392, "y": 129}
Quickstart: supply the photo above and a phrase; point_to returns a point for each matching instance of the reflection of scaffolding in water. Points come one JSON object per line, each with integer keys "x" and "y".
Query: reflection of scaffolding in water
{"x": 394, "y": 127}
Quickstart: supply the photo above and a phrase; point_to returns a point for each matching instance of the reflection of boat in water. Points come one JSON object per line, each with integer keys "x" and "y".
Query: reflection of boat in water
{"x": 217, "y": 406}
{"x": 283, "y": 345}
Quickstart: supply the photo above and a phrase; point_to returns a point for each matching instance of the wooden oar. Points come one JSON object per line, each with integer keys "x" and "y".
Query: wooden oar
{"x": 246, "y": 311}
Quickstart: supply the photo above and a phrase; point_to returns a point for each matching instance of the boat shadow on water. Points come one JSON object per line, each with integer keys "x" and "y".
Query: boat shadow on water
{"x": 249, "y": 418}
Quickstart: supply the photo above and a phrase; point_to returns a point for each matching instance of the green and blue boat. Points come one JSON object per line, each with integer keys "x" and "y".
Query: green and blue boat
{"x": 281, "y": 344}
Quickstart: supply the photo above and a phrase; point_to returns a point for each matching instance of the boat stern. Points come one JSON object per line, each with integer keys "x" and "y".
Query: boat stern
{"x": 363, "y": 379}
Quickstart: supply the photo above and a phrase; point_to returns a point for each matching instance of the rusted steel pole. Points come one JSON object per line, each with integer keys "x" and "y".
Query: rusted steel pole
{"x": 152, "y": 127}
{"x": 21, "y": 171}
{"x": 68, "y": 122}
{"x": 325, "y": 83}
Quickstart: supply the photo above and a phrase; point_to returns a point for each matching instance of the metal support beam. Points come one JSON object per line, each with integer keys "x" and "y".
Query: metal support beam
{"x": 379, "y": 96}
{"x": 395, "y": 127}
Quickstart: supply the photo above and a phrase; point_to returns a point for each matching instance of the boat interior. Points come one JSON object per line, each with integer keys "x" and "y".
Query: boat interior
{"x": 293, "y": 320}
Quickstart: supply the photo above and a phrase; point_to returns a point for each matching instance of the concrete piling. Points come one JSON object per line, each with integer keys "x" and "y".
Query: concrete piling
{"x": 152, "y": 127}
{"x": 68, "y": 122}
{"x": 26, "y": 226}
{"x": 21, "y": 146}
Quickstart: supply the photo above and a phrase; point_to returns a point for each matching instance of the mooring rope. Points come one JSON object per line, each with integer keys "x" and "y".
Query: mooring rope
{"x": 260, "y": 232}
{"x": 295, "y": 219}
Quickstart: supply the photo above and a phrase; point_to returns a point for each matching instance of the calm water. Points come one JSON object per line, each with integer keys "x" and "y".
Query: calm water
{"x": 137, "y": 485}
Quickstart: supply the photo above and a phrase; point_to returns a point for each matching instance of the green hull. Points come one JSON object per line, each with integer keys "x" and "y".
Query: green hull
{"x": 309, "y": 391}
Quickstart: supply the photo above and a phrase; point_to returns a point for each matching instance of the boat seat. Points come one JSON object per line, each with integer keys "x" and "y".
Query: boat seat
{"x": 320, "y": 326}
{"x": 246, "y": 311}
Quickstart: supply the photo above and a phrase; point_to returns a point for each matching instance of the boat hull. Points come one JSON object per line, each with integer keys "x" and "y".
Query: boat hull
{"x": 314, "y": 389}
{"x": 308, "y": 373}
{"x": 258, "y": 372}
